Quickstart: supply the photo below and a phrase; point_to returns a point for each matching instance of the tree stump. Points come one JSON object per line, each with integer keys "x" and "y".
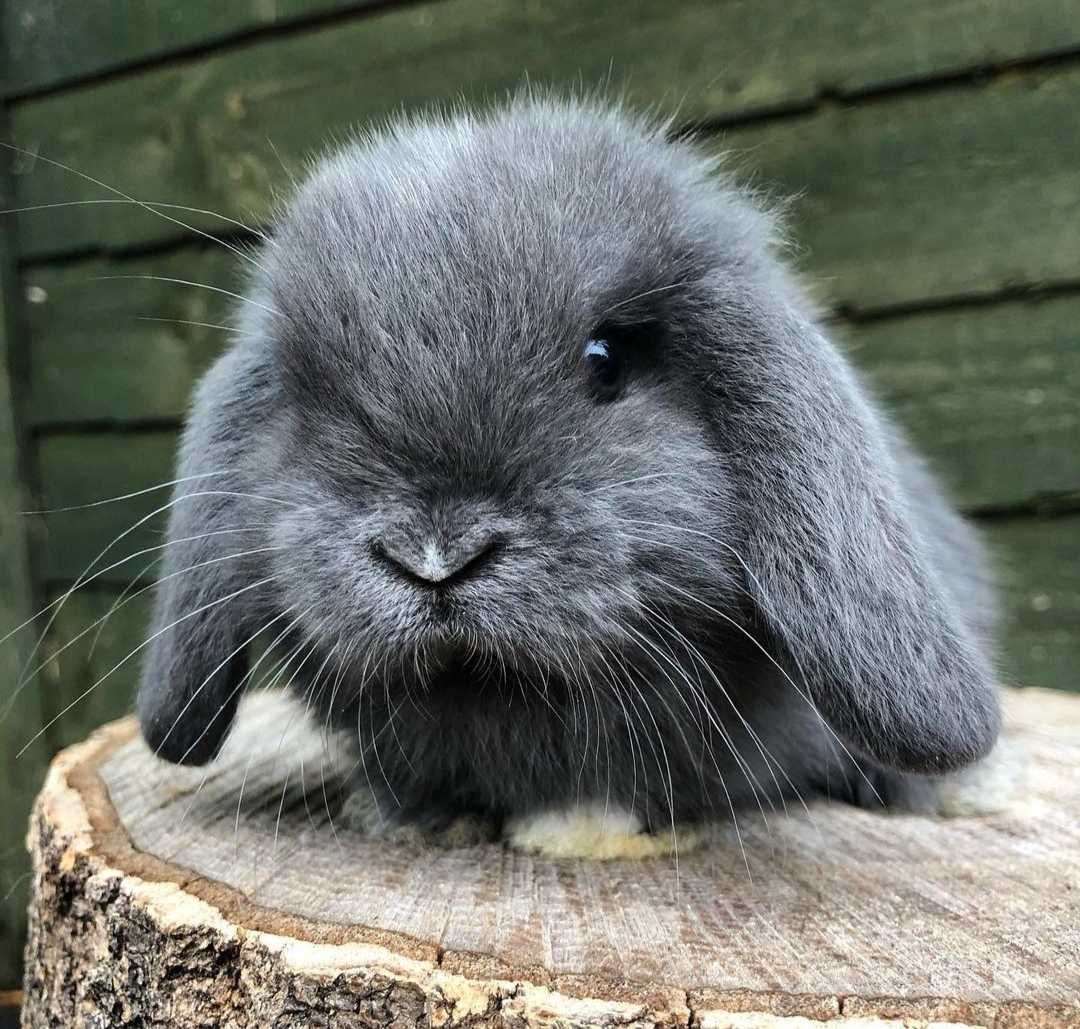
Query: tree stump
{"x": 232, "y": 897}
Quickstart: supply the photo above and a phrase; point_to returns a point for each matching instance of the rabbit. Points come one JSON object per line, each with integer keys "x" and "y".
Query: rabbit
{"x": 533, "y": 455}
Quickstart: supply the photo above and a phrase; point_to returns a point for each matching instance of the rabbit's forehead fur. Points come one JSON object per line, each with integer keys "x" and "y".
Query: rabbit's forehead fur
{"x": 507, "y": 238}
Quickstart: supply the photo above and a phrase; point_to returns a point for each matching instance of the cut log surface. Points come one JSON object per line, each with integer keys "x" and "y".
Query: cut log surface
{"x": 235, "y": 896}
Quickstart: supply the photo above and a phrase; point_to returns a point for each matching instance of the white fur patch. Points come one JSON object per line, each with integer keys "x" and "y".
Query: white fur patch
{"x": 988, "y": 787}
{"x": 593, "y": 831}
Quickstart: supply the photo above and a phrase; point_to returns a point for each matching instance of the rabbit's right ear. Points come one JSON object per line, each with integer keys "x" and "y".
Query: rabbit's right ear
{"x": 840, "y": 573}
{"x": 206, "y": 597}
{"x": 195, "y": 663}
{"x": 196, "y": 660}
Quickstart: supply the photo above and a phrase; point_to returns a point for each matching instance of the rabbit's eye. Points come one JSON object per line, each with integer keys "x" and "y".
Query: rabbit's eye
{"x": 605, "y": 364}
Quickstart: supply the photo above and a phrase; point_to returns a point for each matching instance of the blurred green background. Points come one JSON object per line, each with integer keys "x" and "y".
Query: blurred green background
{"x": 932, "y": 149}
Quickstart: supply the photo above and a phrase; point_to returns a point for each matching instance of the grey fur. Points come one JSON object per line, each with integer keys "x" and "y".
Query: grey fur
{"x": 410, "y": 389}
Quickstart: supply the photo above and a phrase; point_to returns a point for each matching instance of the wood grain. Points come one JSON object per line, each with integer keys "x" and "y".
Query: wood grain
{"x": 52, "y": 43}
{"x": 1039, "y": 573}
{"x": 945, "y": 169}
{"x": 991, "y": 395}
{"x": 848, "y": 912}
{"x": 18, "y": 780}
{"x": 955, "y": 193}
{"x": 846, "y": 46}
{"x": 96, "y": 359}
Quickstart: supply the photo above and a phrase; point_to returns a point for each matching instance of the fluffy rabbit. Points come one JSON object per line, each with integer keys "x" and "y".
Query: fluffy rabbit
{"x": 534, "y": 454}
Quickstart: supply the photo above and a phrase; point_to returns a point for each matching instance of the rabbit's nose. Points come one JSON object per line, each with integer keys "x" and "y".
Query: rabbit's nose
{"x": 431, "y": 563}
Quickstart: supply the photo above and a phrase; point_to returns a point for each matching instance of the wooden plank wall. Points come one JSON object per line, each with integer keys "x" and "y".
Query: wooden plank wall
{"x": 19, "y": 777}
{"x": 932, "y": 149}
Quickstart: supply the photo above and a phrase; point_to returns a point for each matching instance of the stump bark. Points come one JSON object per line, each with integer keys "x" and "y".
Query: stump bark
{"x": 233, "y": 897}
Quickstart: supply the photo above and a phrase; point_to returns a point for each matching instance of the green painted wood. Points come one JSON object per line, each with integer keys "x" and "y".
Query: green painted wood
{"x": 96, "y": 359}
{"x": 199, "y": 134}
{"x": 964, "y": 191}
{"x": 76, "y": 470}
{"x": 53, "y": 42}
{"x": 1039, "y": 571}
{"x": 840, "y": 46}
{"x": 19, "y": 779}
{"x": 991, "y": 394}
{"x": 91, "y": 678}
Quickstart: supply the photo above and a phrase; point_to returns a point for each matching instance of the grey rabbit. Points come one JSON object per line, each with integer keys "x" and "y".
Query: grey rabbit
{"x": 532, "y": 451}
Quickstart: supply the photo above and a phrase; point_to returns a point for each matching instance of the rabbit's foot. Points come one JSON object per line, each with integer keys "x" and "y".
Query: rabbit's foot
{"x": 435, "y": 827}
{"x": 985, "y": 788}
{"x": 988, "y": 787}
{"x": 595, "y": 831}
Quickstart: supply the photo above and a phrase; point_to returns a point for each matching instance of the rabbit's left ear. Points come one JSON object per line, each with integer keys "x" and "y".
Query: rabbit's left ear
{"x": 834, "y": 560}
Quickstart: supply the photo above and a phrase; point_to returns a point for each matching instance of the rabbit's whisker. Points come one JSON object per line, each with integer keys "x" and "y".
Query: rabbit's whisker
{"x": 82, "y": 578}
{"x": 28, "y": 675}
{"x": 362, "y": 748}
{"x": 776, "y": 664}
{"x": 383, "y": 669}
{"x": 103, "y": 571}
{"x": 665, "y": 767}
{"x": 766, "y": 754}
{"x": 151, "y": 208}
{"x": 270, "y": 681}
{"x": 191, "y": 614}
{"x": 632, "y": 739}
{"x": 226, "y": 700}
{"x": 239, "y": 333}
{"x": 602, "y": 730}
{"x": 630, "y": 482}
{"x": 188, "y": 282}
{"x": 640, "y": 296}
{"x": 309, "y": 641}
{"x": 342, "y": 670}
{"x": 149, "y": 205}
{"x": 698, "y": 693}
{"x": 315, "y": 686}
{"x": 749, "y": 572}
{"x": 118, "y": 602}
{"x": 739, "y": 761}
{"x": 263, "y": 682}
{"x": 127, "y": 496}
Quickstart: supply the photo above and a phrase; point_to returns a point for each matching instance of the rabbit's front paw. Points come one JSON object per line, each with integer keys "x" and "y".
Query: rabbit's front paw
{"x": 988, "y": 787}
{"x": 595, "y": 831}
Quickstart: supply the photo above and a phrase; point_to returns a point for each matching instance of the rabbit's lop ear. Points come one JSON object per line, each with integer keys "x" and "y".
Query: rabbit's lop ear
{"x": 842, "y": 578}
{"x": 207, "y": 598}
{"x": 193, "y": 671}
{"x": 195, "y": 663}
